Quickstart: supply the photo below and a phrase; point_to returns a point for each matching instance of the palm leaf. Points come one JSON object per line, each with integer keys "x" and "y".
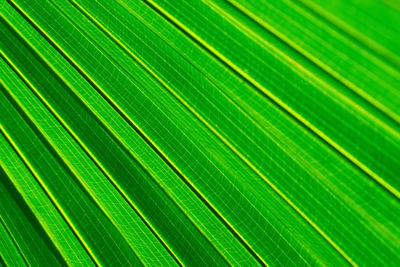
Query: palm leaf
{"x": 215, "y": 132}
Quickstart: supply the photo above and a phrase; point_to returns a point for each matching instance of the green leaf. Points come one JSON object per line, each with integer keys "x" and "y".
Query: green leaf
{"x": 214, "y": 132}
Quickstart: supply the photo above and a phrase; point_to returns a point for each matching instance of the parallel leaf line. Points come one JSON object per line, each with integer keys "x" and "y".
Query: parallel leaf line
{"x": 52, "y": 199}
{"x": 126, "y": 117}
{"x": 369, "y": 43}
{"x": 5, "y": 226}
{"x": 89, "y": 154}
{"x": 318, "y": 63}
{"x": 94, "y": 85}
{"x": 215, "y": 132}
{"x": 280, "y": 103}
